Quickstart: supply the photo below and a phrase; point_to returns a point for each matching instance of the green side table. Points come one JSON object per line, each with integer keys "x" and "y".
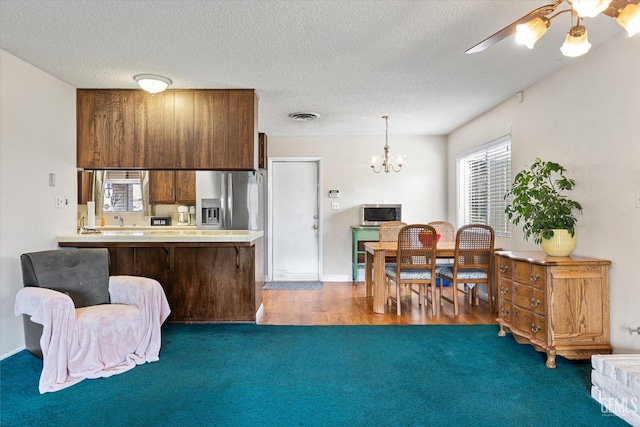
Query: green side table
{"x": 360, "y": 235}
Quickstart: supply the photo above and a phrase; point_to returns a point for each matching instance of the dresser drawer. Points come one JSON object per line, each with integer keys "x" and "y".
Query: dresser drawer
{"x": 505, "y": 311}
{"x": 529, "y": 274}
{"x": 521, "y": 319}
{"x": 538, "y": 305}
{"x": 538, "y": 278}
{"x": 504, "y": 267}
{"x": 521, "y": 295}
{"x": 521, "y": 272}
{"x": 538, "y": 327}
{"x": 529, "y": 323}
{"x": 505, "y": 289}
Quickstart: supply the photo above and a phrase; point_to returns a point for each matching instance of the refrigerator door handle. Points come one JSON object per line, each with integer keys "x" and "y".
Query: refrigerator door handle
{"x": 223, "y": 201}
{"x": 229, "y": 225}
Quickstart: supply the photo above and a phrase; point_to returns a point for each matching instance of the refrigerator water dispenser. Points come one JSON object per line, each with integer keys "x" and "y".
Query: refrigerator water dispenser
{"x": 210, "y": 211}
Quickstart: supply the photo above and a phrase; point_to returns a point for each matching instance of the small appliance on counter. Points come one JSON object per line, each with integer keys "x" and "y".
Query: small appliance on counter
{"x": 376, "y": 215}
{"x": 183, "y": 215}
{"x": 192, "y": 215}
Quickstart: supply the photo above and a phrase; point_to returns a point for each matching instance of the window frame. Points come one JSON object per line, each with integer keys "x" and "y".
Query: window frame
{"x": 493, "y": 169}
{"x": 128, "y": 179}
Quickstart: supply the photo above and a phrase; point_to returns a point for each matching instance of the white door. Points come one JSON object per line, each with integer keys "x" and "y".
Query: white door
{"x": 294, "y": 217}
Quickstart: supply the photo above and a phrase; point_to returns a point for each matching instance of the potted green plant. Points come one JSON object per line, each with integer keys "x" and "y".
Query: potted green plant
{"x": 545, "y": 212}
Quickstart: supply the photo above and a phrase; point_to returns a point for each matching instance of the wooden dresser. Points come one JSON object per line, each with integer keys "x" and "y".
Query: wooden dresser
{"x": 560, "y": 305}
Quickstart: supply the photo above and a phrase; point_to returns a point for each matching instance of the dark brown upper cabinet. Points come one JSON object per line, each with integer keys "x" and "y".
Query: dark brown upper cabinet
{"x": 262, "y": 150}
{"x": 175, "y": 129}
{"x": 172, "y": 186}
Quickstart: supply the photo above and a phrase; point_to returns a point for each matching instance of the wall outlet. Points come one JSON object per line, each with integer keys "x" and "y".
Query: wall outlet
{"x": 60, "y": 203}
{"x": 335, "y": 205}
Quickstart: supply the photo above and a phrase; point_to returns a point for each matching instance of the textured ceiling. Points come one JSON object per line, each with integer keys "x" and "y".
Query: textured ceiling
{"x": 349, "y": 61}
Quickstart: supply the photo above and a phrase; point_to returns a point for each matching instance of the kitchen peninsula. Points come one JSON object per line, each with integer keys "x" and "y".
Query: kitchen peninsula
{"x": 207, "y": 276}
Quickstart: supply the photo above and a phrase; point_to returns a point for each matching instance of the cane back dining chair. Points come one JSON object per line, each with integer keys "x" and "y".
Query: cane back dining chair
{"x": 389, "y": 233}
{"x": 447, "y": 232}
{"x": 389, "y": 230}
{"x": 445, "y": 229}
{"x": 472, "y": 265}
{"x": 415, "y": 265}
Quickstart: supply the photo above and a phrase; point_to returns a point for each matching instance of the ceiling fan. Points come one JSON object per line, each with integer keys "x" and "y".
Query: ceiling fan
{"x": 534, "y": 24}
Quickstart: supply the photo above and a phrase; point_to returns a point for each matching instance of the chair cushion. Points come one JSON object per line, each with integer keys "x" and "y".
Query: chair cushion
{"x": 470, "y": 273}
{"x": 104, "y": 337}
{"x": 409, "y": 274}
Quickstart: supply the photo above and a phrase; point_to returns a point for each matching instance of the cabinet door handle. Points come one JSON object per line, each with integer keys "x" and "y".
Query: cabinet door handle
{"x": 534, "y": 277}
{"x": 534, "y": 302}
{"x": 535, "y": 328}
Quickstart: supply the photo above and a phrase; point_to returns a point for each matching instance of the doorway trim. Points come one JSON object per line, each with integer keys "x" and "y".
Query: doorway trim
{"x": 319, "y": 178}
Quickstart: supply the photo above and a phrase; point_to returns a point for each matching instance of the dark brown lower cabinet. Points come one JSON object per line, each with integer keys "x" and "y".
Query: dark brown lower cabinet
{"x": 203, "y": 282}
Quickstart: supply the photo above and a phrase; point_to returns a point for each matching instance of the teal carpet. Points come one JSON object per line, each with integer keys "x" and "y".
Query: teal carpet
{"x": 252, "y": 375}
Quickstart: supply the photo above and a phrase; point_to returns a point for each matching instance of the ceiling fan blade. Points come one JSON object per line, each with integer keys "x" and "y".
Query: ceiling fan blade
{"x": 511, "y": 28}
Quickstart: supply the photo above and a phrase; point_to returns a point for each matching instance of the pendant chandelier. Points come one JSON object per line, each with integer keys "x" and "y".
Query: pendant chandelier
{"x": 384, "y": 163}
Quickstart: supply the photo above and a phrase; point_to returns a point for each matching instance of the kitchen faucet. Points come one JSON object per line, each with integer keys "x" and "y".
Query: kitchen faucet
{"x": 120, "y": 220}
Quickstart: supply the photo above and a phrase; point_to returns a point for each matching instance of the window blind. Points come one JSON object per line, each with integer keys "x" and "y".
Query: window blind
{"x": 484, "y": 177}
{"x": 125, "y": 189}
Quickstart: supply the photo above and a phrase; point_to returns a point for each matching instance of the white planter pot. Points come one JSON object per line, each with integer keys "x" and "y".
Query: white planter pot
{"x": 561, "y": 244}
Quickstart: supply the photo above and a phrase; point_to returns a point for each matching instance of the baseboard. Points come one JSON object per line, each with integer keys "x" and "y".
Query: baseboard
{"x": 11, "y": 353}
{"x": 337, "y": 278}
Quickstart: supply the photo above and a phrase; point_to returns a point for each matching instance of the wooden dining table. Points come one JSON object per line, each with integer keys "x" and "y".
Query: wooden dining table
{"x": 375, "y": 254}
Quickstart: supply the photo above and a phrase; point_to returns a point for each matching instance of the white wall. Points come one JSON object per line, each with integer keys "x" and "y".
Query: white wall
{"x": 420, "y": 186}
{"x": 585, "y": 117}
{"x": 37, "y": 137}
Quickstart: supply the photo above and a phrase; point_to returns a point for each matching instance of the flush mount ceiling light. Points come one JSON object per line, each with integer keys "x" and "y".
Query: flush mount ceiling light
{"x": 384, "y": 163}
{"x": 534, "y": 25}
{"x": 304, "y": 116}
{"x": 152, "y": 83}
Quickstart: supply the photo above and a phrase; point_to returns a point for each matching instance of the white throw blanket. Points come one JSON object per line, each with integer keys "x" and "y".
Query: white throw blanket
{"x": 96, "y": 341}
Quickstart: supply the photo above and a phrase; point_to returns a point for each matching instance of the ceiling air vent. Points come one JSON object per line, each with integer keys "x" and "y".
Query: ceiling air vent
{"x": 304, "y": 117}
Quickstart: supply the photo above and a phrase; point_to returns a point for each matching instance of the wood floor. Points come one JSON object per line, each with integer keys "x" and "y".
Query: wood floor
{"x": 344, "y": 303}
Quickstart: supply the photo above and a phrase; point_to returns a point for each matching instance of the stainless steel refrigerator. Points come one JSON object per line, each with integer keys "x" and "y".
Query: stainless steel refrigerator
{"x": 230, "y": 200}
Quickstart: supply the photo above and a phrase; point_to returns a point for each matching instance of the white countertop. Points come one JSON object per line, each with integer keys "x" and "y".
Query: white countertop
{"x": 143, "y": 234}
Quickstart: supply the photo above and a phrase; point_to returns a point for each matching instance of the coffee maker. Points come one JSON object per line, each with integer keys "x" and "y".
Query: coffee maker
{"x": 183, "y": 215}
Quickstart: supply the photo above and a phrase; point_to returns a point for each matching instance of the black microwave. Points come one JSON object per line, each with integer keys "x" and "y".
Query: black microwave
{"x": 374, "y": 215}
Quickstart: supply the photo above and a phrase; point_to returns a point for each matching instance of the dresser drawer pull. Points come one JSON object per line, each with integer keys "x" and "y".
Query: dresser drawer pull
{"x": 504, "y": 269}
{"x": 504, "y": 312}
{"x": 535, "y": 302}
{"x": 534, "y": 277}
{"x": 503, "y": 290}
{"x": 535, "y": 328}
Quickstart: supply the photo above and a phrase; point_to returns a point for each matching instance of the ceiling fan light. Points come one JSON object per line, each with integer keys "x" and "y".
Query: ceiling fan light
{"x": 152, "y": 83}
{"x": 530, "y": 32}
{"x": 576, "y": 43}
{"x": 629, "y": 19}
{"x": 589, "y": 8}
